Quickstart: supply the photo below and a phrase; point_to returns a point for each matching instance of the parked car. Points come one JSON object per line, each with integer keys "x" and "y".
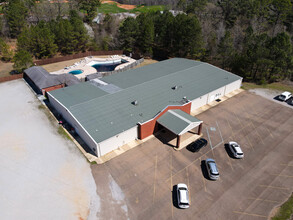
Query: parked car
{"x": 182, "y": 196}
{"x": 285, "y": 96}
{"x": 197, "y": 145}
{"x": 236, "y": 149}
{"x": 212, "y": 169}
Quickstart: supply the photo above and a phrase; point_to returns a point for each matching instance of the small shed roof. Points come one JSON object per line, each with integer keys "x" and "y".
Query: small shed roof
{"x": 43, "y": 79}
{"x": 178, "y": 121}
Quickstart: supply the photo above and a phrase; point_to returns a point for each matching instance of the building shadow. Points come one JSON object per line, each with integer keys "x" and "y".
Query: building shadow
{"x": 165, "y": 137}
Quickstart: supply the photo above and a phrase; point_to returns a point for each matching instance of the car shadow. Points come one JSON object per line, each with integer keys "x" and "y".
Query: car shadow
{"x": 277, "y": 98}
{"x": 204, "y": 170}
{"x": 174, "y": 197}
{"x": 228, "y": 151}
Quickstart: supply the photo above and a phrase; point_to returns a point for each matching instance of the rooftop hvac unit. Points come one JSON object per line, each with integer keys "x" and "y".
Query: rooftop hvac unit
{"x": 135, "y": 102}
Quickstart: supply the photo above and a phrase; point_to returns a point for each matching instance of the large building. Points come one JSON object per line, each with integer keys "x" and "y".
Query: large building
{"x": 117, "y": 109}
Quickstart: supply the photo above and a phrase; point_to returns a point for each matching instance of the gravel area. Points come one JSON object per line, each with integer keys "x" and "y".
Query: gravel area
{"x": 271, "y": 95}
{"x": 43, "y": 176}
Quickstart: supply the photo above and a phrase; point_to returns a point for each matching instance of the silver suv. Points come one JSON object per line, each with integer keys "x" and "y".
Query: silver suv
{"x": 212, "y": 169}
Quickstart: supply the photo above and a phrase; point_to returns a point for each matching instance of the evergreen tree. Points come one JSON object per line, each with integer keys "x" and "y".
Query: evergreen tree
{"x": 90, "y": 7}
{"x": 226, "y": 50}
{"x": 145, "y": 37}
{"x": 128, "y": 34}
{"x": 22, "y": 60}
{"x": 15, "y": 13}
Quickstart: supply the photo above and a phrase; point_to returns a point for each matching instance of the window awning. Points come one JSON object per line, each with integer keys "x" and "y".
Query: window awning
{"x": 178, "y": 121}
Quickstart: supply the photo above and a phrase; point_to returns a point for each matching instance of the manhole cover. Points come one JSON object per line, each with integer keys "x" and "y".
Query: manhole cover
{"x": 213, "y": 129}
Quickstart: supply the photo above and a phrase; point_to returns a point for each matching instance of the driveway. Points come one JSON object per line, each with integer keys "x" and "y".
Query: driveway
{"x": 144, "y": 177}
{"x": 43, "y": 176}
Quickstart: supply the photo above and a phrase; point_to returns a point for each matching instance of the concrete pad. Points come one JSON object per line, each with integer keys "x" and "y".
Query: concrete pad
{"x": 43, "y": 176}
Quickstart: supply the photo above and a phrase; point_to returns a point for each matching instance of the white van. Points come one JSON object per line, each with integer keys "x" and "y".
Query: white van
{"x": 285, "y": 96}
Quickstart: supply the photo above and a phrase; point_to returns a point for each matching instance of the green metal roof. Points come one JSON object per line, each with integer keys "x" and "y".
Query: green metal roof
{"x": 179, "y": 122}
{"x": 104, "y": 114}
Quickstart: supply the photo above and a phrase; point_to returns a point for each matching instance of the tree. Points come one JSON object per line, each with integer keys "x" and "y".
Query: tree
{"x": 15, "y": 13}
{"x": 145, "y": 37}
{"x": 128, "y": 34}
{"x": 22, "y": 60}
{"x": 187, "y": 38}
{"x": 226, "y": 50}
{"x": 281, "y": 9}
{"x": 89, "y": 7}
{"x": 79, "y": 31}
{"x": 281, "y": 54}
{"x": 5, "y": 51}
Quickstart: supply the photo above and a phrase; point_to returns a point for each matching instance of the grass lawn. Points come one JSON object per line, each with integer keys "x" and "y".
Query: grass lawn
{"x": 285, "y": 211}
{"x": 113, "y": 8}
{"x": 146, "y": 62}
{"x": 274, "y": 86}
{"x": 110, "y": 8}
{"x": 153, "y": 8}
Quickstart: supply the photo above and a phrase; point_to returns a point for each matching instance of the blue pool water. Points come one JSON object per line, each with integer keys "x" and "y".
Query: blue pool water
{"x": 76, "y": 72}
{"x": 106, "y": 67}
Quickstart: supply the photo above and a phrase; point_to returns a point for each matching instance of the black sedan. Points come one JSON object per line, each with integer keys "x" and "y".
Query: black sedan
{"x": 197, "y": 145}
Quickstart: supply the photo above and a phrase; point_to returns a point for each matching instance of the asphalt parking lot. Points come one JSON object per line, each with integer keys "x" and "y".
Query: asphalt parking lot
{"x": 250, "y": 188}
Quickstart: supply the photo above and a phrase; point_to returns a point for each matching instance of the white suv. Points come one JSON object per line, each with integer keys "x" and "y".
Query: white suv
{"x": 182, "y": 196}
{"x": 236, "y": 149}
{"x": 285, "y": 96}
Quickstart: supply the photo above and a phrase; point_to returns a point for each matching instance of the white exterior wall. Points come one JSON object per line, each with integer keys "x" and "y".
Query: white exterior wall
{"x": 233, "y": 86}
{"x": 216, "y": 94}
{"x": 73, "y": 122}
{"x": 117, "y": 141}
{"x": 197, "y": 103}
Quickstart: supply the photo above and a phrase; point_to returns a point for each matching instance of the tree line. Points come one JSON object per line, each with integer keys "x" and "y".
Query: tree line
{"x": 250, "y": 38}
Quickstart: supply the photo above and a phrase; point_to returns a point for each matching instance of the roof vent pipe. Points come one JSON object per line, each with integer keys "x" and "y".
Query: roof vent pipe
{"x": 175, "y": 87}
{"x": 135, "y": 102}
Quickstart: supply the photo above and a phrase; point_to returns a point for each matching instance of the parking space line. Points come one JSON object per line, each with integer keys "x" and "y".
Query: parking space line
{"x": 251, "y": 214}
{"x": 209, "y": 138}
{"x": 171, "y": 167}
{"x": 154, "y": 192}
{"x": 281, "y": 175}
{"x": 257, "y": 133}
{"x": 269, "y": 132}
{"x": 265, "y": 200}
{"x": 229, "y": 126}
{"x": 203, "y": 180}
{"x": 283, "y": 164}
{"x": 274, "y": 187}
{"x": 189, "y": 188}
{"x": 238, "y": 119}
{"x": 183, "y": 169}
{"x": 220, "y": 132}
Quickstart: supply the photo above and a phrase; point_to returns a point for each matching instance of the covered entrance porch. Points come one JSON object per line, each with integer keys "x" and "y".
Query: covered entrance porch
{"x": 180, "y": 124}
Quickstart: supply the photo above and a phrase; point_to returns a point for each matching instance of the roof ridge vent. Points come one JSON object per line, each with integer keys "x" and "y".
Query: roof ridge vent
{"x": 135, "y": 102}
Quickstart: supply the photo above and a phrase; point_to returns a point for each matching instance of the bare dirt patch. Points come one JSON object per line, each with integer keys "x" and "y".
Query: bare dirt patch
{"x": 5, "y": 68}
{"x": 124, "y": 6}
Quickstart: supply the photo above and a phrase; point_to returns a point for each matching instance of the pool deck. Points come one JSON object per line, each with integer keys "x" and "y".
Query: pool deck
{"x": 87, "y": 70}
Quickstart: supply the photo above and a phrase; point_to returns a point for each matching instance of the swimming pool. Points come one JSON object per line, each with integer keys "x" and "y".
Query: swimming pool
{"x": 107, "y": 66}
{"x": 76, "y": 72}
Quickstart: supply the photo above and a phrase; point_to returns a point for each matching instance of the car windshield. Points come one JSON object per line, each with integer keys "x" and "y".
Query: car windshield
{"x": 213, "y": 168}
{"x": 181, "y": 188}
{"x": 240, "y": 153}
{"x": 183, "y": 203}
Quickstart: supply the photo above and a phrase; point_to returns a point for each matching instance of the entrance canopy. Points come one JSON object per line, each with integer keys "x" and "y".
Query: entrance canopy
{"x": 178, "y": 121}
